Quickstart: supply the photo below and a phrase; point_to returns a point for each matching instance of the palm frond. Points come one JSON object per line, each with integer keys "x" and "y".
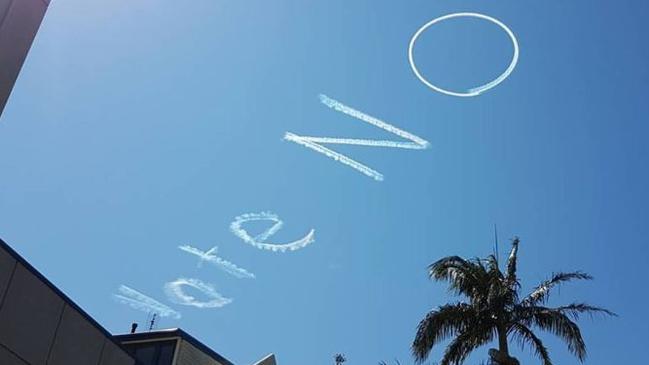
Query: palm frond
{"x": 466, "y": 277}
{"x": 542, "y": 292}
{"x": 492, "y": 266}
{"x": 557, "y": 323}
{"x": 574, "y": 310}
{"x": 440, "y": 324}
{"x": 460, "y": 348}
{"x": 396, "y": 361}
{"x": 525, "y": 337}
{"x": 449, "y": 268}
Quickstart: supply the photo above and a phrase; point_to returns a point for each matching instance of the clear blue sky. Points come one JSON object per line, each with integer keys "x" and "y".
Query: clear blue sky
{"x": 138, "y": 126}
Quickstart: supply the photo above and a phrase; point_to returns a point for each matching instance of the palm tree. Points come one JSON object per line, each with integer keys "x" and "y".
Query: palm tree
{"x": 494, "y": 311}
{"x": 339, "y": 359}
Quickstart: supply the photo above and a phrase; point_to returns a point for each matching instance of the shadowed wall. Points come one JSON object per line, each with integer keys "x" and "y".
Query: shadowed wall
{"x": 19, "y": 22}
{"x": 39, "y": 325}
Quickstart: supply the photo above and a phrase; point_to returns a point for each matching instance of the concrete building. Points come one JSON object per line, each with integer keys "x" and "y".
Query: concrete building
{"x": 40, "y": 325}
{"x": 19, "y": 22}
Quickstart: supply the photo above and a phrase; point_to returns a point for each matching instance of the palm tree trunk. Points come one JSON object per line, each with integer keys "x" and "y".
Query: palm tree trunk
{"x": 503, "y": 347}
{"x": 501, "y": 356}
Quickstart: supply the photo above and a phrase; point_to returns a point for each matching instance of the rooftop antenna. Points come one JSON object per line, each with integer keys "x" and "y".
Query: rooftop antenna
{"x": 496, "y": 243}
{"x": 152, "y": 324}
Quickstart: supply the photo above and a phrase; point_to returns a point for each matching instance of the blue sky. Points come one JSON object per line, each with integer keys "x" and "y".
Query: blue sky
{"x": 138, "y": 126}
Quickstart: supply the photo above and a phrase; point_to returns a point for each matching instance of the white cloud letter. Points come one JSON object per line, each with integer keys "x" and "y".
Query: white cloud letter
{"x": 139, "y": 301}
{"x": 222, "y": 264}
{"x": 258, "y": 241}
{"x": 315, "y": 143}
{"x": 177, "y": 295}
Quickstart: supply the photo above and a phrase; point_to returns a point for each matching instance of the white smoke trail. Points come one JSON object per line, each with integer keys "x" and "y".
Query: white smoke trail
{"x": 222, "y": 264}
{"x": 476, "y": 90}
{"x": 139, "y": 301}
{"x": 258, "y": 241}
{"x": 314, "y": 143}
{"x": 176, "y": 294}
{"x": 338, "y": 106}
{"x": 304, "y": 141}
{"x": 365, "y": 142}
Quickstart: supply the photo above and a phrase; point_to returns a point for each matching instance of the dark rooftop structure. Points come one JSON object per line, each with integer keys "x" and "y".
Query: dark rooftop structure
{"x": 169, "y": 347}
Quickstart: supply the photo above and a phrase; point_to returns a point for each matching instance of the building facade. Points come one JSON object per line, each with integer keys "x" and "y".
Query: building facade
{"x": 19, "y": 22}
{"x": 41, "y": 325}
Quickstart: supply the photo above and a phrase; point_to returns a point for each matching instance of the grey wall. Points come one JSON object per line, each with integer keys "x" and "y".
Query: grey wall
{"x": 19, "y": 22}
{"x": 268, "y": 360}
{"x": 39, "y": 326}
{"x": 190, "y": 355}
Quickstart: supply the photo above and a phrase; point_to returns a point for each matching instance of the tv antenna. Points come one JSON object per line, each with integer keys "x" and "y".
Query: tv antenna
{"x": 152, "y": 323}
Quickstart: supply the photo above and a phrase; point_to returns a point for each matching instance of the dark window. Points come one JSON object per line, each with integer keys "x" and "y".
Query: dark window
{"x": 153, "y": 353}
{"x": 146, "y": 354}
{"x": 166, "y": 355}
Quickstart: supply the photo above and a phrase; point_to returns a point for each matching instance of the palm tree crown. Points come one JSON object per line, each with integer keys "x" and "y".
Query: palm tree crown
{"x": 494, "y": 311}
{"x": 339, "y": 359}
